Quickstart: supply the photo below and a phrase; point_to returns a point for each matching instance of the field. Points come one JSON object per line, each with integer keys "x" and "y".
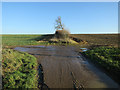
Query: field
{"x": 99, "y": 39}
{"x": 92, "y": 39}
{"x": 22, "y": 40}
{"x": 19, "y": 40}
{"x": 19, "y": 69}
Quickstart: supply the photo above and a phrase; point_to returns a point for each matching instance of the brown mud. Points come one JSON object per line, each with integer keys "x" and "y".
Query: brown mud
{"x": 64, "y": 68}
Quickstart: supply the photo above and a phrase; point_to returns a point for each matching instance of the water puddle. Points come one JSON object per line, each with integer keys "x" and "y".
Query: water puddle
{"x": 84, "y": 49}
{"x": 36, "y": 46}
{"x": 22, "y": 49}
{"x": 29, "y": 48}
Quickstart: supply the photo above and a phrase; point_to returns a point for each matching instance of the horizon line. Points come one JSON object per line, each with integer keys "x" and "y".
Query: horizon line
{"x": 50, "y": 33}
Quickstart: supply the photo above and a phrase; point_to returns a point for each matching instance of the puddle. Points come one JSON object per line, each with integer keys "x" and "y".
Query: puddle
{"x": 84, "y": 49}
{"x": 37, "y": 46}
{"x": 22, "y": 49}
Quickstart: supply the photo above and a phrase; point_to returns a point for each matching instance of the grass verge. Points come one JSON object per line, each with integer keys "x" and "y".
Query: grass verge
{"x": 106, "y": 57}
{"x": 18, "y": 70}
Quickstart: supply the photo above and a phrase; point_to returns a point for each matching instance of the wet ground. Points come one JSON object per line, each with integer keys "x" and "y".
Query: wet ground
{"x": 64, "y": 68}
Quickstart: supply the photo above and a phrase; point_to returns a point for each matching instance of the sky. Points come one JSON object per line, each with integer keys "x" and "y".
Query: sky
{"x": 60, "y": 0}
{"x": 78, "y": 17}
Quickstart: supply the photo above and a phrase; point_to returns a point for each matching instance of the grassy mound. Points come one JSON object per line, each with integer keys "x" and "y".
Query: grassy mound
{"x": 63, "y": 37}
{"x": 18, "y": 69}
{"x": 62, "y": 41}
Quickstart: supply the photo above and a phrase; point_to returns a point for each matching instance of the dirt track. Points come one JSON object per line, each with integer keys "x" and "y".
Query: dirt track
{"x": 64, "y": 68}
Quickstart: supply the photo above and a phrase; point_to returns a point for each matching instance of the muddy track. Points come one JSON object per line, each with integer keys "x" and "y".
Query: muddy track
{"x": 41, "y": 84}
{"x": 64, "y": 68}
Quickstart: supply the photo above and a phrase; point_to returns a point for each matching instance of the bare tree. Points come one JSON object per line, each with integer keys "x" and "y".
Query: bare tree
{"x": 59, "y": 25}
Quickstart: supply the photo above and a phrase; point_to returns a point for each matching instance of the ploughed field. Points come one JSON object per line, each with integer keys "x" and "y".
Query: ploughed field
{"x": 99, "y": 39}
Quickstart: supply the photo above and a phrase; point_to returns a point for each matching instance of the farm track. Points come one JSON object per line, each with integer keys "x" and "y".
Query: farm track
{"x": 64, "y": 68}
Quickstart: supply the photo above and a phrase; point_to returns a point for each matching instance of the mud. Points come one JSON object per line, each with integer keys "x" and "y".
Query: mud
{"x": 64, "y": 68}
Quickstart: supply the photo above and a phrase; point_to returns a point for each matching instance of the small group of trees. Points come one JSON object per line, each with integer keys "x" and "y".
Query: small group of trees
{"x": 61, "y": 32}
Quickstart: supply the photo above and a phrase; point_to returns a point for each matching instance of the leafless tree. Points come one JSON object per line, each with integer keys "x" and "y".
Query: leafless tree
{"x": 59, "y": 25}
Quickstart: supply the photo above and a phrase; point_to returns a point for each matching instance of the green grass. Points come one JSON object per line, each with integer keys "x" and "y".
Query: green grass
{"x": 20, "y": 40}
{"x": 106, "y": 57}
{"x": 18, "y": 69}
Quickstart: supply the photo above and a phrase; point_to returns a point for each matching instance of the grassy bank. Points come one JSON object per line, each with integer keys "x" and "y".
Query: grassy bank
{"x": 18, "y": 69}
{"x": 106, "y": 57}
